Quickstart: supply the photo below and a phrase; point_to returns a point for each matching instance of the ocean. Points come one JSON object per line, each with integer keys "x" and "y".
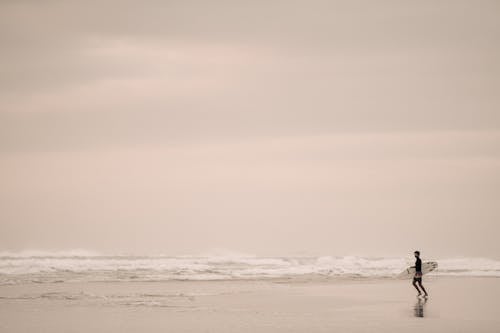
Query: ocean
{"x": 81, "y": 266}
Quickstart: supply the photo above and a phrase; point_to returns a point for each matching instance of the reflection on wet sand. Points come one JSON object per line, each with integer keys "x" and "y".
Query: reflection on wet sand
{"x": 418, "y": 309}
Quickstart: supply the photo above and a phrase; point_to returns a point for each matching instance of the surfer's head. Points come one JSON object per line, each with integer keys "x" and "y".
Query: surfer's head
{"x": 417, "y": 253}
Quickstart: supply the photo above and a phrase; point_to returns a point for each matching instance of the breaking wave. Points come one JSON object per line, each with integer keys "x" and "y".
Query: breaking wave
{"x": 35, "y": 266}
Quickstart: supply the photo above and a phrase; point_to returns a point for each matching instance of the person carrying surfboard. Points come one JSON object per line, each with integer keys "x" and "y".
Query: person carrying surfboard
{"x": 418, "y": 274}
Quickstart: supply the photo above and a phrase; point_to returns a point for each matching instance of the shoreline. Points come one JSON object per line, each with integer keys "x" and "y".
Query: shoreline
{"x": 456, "y": 304}
{"x": 306, "y": 278}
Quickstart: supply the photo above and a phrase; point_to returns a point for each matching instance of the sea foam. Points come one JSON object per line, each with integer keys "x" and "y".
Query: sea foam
{"x": 36, "y": 266}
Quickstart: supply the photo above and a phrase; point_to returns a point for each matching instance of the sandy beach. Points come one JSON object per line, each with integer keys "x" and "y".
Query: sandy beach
{"x": 280, "y": 305}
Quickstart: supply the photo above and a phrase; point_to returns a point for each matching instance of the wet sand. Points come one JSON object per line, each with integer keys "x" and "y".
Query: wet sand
{"x": 303, "y": 305}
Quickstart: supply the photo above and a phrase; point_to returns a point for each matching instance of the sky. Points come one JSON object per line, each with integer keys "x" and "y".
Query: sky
{"x": 260, "y": 127}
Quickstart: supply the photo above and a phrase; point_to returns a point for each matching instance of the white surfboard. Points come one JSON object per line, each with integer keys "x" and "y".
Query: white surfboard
{"x": 427, "y": 267}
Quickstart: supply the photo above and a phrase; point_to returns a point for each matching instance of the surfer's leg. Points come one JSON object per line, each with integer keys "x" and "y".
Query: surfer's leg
{"x": 422, "y": 287}
{"x": 415, "y": 285}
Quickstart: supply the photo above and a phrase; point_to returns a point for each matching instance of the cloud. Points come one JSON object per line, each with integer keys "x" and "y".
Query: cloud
{"x": 81, "y": 75}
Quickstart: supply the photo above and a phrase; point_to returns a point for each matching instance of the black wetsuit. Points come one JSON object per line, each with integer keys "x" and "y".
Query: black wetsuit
{"x": 418, "y": 270}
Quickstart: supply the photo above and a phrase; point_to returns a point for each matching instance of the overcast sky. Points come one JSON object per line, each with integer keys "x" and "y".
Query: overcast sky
{"x": 264, "y": 127}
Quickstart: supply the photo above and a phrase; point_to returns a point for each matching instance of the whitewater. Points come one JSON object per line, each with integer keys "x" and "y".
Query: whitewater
{"x": 49, "y": 267}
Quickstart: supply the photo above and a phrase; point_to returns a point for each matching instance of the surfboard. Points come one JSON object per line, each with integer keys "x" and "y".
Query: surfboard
{"x": 427, "y": 267}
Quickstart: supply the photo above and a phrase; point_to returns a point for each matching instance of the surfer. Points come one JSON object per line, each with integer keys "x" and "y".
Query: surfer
{"x": 418, "y": 274}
